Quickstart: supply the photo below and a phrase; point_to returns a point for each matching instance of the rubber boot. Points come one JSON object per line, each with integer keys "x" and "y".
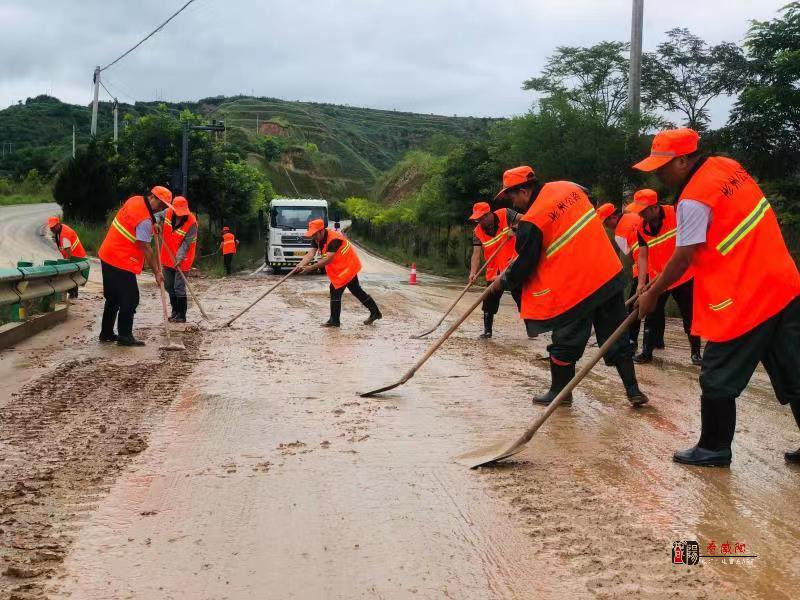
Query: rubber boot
{"x": 628, "y": 375}
{"x": 560, "y": 376}
{"x": 646, "y": 355}
{"x": 694, "y": 344}
{"x": 374, "y": 311}
{"x": 794, "y": 457}
{"x": 336, "y": 313}
{"x": 173, "y": 302}
{"x": 717, "y": 426}
{"x": 128, "y": 340}
{"x": 488, "y": 321}
{"x": 182, "y": 303}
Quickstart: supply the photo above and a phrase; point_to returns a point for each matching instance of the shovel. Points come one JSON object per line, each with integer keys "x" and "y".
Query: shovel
{"x": 501, "y": 450}
{"x": 186, "y": 281}
{"x": 461, "y": 295}
{"x": 432, "y": 349}
{"x": 264, "y": 295}
{"x": 170, "y": 344}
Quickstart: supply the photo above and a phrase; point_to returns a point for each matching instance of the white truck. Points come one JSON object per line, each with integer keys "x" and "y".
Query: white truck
{"x": 288, "y": 221}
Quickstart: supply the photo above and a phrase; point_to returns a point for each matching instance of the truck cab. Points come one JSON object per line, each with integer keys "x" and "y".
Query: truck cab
{"x": 288, "y": 221}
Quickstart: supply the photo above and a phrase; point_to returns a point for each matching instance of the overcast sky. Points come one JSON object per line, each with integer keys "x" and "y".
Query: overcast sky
{"x": 465, "y": 57}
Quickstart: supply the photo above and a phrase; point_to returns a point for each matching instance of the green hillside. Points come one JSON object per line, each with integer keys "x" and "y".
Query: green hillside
{"x": 325, "y": 149}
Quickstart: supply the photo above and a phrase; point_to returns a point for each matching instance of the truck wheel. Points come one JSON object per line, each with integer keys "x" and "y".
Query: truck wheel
{"x": 277, "y": 270}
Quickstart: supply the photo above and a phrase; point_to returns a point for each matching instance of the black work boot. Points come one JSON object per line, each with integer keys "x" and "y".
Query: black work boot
{"x": 108, "y": 337}
{"x": 646, "y": 355}
{"x": 628, "y": 375}
{"x": 336, "y": 313}
{"x": 173, "y": 302}
{"x": 183, "y": 305}
{"x": 694, "y": 343}
{"x": 794, "y": 457}
{"x": 488, "y": 321}
{"x": 717, "y": 425}
{"x": 560, "y": 376}
{"x": 374, "y": 311}
{"x": 128, "y": 340}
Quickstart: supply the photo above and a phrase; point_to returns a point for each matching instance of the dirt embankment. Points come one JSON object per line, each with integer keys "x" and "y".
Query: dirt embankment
{"x": 64, "y": 439}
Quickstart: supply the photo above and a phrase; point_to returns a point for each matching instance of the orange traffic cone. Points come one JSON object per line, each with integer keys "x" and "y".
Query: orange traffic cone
{"x": 412, "y": 278}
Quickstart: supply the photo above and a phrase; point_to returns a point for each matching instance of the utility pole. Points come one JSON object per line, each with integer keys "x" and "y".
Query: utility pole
{"x": 635, "y": 75}
{"x": 96, "y": 98}
{"x": 73, "y": 140}
{"x": 116, "y": 117}
{"x": 185, "y": 150}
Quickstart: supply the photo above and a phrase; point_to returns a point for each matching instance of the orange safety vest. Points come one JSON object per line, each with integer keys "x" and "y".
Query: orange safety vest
{"x": 743, "y": 272}
{"x": 345, "y": 264}
{"x": 492, "y": 243}
{"x": 77, "y": 249}
{"x": 661, "y": 247}
{"x": 173, "y": 238}
{"x": 577, "y": 257}
{"x": 626, "y": 228}
{"x": 228, "y": 243}
{"x": 120, "y": 248}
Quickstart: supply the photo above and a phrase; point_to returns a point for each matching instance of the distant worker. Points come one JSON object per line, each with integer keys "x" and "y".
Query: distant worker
{"x": 180, "y": 241}
{"x": 569, "y": 275}
{"x": 624, "y": 226}
{"x": 229, "y": 246}
{"x": 746, "y": 290}
{"x": 67, "y": 242}
{"x": 342, "y": 265}
{"x": 493, "y": 233}
{"x": 656, "y": 235}
{"x": 122, "y": 254}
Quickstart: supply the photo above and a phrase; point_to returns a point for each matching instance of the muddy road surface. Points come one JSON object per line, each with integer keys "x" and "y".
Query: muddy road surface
{"x": 249, "y": 467}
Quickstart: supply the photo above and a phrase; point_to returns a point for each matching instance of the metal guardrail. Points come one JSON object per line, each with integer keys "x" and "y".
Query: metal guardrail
{"x": 48, "y": 283}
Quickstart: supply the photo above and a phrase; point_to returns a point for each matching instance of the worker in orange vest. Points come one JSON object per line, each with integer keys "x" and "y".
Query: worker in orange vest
{"x": 493, "y": 231}
{"x": 656, "y": 235}
{"x": 342, "y": 265}
{"x": 624, "y": 226}
{"x": 746, "y": 290}
{"x": 67, "y": 242}
{"x": 229, "y": 245}
{"x": 180, "y": 240}
{"x": 122, "y": 254}
{"x": 570, "y": 277}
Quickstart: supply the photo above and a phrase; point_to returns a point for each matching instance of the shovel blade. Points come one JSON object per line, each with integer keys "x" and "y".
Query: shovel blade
{"x": 174, "y": 346}
{"x": 380, "y": 390}
{"x": 419, "y": 336}
{"x": 490, "y": 454}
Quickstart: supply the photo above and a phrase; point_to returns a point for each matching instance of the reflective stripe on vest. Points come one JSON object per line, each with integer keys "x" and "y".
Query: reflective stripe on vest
{"x": 661, "y": 247}
{"x": 570, "y": 233}
{"x": 746, "y": 226}
{"x": 119, "y": 227}
{"x": 578, "y": 258}
{"x": 744, "y": 274}
{"x": 662, "y": 238}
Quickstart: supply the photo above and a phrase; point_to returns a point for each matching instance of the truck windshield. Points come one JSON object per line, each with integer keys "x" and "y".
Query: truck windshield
{"x": 296, "y": 217}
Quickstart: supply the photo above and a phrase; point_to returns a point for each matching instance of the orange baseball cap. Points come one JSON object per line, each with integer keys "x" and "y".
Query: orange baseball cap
{"x": 514, "y": 177}
{"x": 479, "y": 209}
{"x": 314, "y": 226}
{"x": 162, "y": 194}
{"x": 606, "y": 210}
{"x": 52, "y": 222}
{"x": 181, "y": 206}
{"x": 641, "y": 200}
{"x": 667, "y": 145}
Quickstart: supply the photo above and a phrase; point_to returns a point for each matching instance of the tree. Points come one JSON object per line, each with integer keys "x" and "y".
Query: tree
{"x": 593, "y": 80}
{"x": 765, "y": 121}
{"x": 87, "y": 188}
{"x": 685, "y": 74}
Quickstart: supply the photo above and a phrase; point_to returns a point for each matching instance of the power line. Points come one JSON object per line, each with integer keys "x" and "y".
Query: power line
{"x": 151, "y": 34}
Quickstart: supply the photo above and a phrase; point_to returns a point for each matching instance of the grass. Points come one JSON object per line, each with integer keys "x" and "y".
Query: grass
{"x": 11, "y": 199}
{"x": 90, "y": 234}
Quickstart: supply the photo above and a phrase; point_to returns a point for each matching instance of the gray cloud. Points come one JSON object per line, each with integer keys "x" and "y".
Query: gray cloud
{"x": 465, "y": 57}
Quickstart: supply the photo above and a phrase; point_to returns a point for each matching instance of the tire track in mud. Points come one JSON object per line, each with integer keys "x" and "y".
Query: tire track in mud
{"x": 64, "y": 438}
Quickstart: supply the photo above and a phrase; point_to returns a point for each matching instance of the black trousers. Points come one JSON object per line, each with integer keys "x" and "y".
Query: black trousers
{"x": 491, "y": 304}
{"x": 355, "y": 288}
{"x": 637, "y": 325}
{"x": 228, "y": 260}
{"x": 655, "y": 322}
{"x": 569, "y": 342}
{"x": 728, "y": 367}
{"x": 122, "y": 297}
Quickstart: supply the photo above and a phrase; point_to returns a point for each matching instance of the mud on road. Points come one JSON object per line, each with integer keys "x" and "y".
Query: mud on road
{"x": 248, "y": 467}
